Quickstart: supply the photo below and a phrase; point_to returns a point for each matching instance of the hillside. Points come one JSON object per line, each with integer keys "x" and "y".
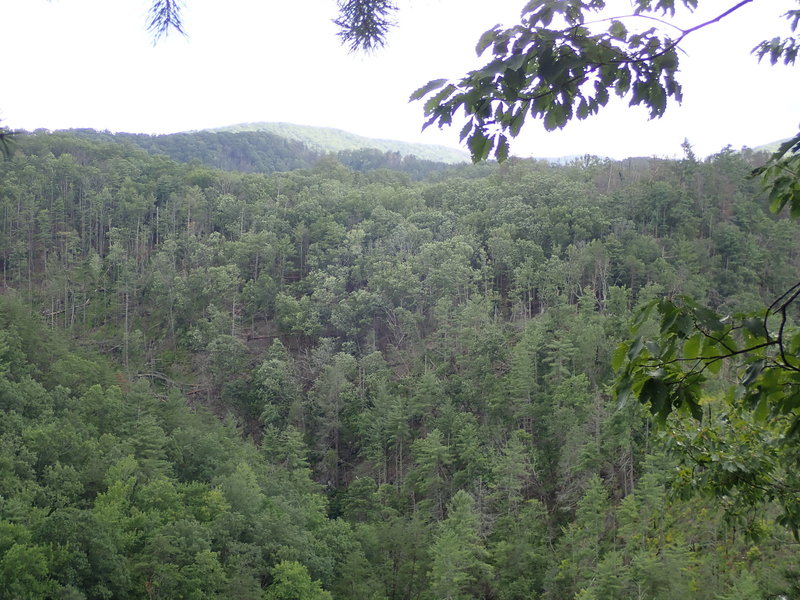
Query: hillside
{"x": 770, "y": 147}
{"x": 328, "y": 384}
{"x": 258, "y": 151}
{"x": 326, "y": 139}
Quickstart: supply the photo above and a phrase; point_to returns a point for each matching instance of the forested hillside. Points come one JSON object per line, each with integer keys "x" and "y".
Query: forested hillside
{"x": 329, "y": 383}
{"x": 327, "y": 139}
{"x": 284, "y": 149}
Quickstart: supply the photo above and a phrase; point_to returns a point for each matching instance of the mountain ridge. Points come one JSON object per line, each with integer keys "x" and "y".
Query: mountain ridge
{"x": 331, "y": 139}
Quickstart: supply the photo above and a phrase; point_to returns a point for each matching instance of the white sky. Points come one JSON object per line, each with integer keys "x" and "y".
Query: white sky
{"x": 90, "y": 63}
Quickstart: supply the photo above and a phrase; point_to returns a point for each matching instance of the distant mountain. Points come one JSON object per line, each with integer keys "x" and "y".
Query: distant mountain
{"x": 771, "y": 147}
{"x": 248, "y": 152}
{"x": 326, "y": 139}
{"x": 262, "y": 151}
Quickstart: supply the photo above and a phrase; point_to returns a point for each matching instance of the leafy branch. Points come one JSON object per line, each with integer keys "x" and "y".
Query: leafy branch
{"x": 557, "y": 74}
{"x": 665, "y": 371}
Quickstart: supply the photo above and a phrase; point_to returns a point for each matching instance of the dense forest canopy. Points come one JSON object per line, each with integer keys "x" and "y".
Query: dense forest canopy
{"x": 339, "y": 383}
{"x": 232, "y": 366}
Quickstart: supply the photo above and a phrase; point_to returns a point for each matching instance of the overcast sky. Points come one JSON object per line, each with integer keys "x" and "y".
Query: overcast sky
{"x": 90, "y": 63}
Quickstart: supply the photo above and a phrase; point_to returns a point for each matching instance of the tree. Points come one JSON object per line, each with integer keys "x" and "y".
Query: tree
{"x": 291, "y": 581}
{"x": 557, "y": 65}
{"x": 459, "y": 569}
{"x": 747, "y": 446}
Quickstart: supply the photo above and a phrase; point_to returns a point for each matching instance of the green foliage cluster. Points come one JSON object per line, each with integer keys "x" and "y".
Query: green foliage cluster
{"x": 412, "y": 380}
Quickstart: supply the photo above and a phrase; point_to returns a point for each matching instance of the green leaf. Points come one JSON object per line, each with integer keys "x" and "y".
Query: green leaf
{"x": 623, "y": 83}
{"x": 545, "y": 16}
{"x": 501, "y": 153}
{"x": 636, "y": 349}
{"x": 790, "y": 403}
{"x": 583, "y": 109}
{"x": 519, "y": 119}
{"x": 436, "y": 99}
{"x": 794, "y": 429}
{"x": 516, "y": 61}
{"x": 532, "y": 6}
{"x": 623, "y": 391}
{"x": 602, "y": 96}
{"x": 654, "y": 393}
{"x": 427, "y": 88}
{"x": 486, "y": 40}
{"x": 794, "y": 344}
{"x": 657, "y": 100}
{"x": 692, "y": 346}
{"x": 653, "y": 347}
{"x": 708, "y": 319}
{"x": 618, "y": 30}
{"x": 794, "y": 206}
{"x": 642, "y": 315}
{"x": 752, "y": 372}
{"x": 675, "y": 320}
{"x": 694, "y": 408}
{"x": 684, "y": 325}
{"x": 755, "y": 325}
{"x": 465, "y": 131}
{"x": 555, "y": 117}
{"x": 762, "y": 409}
{"x": 619, "y": 355}
{"x": 479, "y": 145}
{"x": 786, "y": 146}
{"x": 490, "y": 70}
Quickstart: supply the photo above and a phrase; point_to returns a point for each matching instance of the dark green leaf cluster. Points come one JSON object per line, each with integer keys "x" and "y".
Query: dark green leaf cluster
{"x": 739, "y": 458}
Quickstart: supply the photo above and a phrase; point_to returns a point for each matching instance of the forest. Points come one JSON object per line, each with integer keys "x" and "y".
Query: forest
{"x": 232, "y": 367}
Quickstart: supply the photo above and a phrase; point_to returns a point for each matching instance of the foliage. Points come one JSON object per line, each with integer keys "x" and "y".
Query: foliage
{"x": 754, "y": 453}
{"x": 781, "y": 175}
{"x": 560, "y": 63}
{"x": 330, "y": 383}
{"x": 6, "y": 142}
{"x": 292, "y": 582}
{"x": 370, "y": 386}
